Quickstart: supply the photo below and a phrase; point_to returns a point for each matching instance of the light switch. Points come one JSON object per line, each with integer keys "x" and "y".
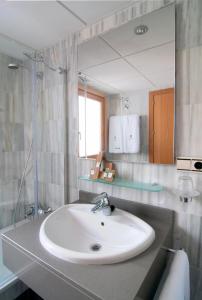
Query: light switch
{"x": 183, "y": 164}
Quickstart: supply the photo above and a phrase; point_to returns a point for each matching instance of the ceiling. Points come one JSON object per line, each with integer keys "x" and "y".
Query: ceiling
{"x": 121, "y": 61}
{"x": 39, "y": 24}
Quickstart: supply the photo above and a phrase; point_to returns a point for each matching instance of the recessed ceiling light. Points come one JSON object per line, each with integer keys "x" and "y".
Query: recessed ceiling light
{"x": 141, "y": 29}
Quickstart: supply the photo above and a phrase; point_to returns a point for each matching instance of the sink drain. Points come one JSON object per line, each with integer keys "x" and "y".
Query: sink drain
{"x": 95, "y": 247}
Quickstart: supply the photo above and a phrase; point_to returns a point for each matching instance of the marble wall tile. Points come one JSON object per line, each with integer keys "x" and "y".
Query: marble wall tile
{"x": 71, "y": 128}
{"x": 11, "y": 136}
{"x": 50, "y": 136}
{"x": 51, "y": 195}
{"x": 51, "y": 167}
{"x": 188, "y": 23}
{"x": 182, "y": 79}
{"x": 5, "y": 216}
{"x": 194, "y": 78}
{"x": 51, "y": 104}
{"x": 8, "y": 192}
{"x": 57, "y": 128}
{"x": 12, "y": 164}
{"x": 195, "y": 146}
{"x": 182, "y": 130}
{"x": 51, "y": 125}
{"x": 28, "y": 194}
{"x": 188, "y": 89}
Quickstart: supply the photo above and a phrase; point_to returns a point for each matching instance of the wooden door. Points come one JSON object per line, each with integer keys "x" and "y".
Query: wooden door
{"x": 161, "y": 126}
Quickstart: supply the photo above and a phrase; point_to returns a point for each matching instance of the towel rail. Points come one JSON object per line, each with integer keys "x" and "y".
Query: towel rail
{"x": 171, "y": 250}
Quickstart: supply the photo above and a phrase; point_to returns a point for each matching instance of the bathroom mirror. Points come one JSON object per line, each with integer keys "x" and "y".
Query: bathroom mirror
{"x": 127, "y": 81}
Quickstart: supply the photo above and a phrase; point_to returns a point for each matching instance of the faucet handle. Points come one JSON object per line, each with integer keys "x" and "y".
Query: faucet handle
{"x": 103, "y": 198}
{"x": 105, "y": 195}
{"x": 100, "y": 201}
{"x": 29, "y": 210}
{"x": 42, "y": 211}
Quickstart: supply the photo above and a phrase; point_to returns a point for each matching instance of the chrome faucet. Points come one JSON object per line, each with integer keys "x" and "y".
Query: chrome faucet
{"x": 29, "y": 210}
{"x": 102, "y": 203}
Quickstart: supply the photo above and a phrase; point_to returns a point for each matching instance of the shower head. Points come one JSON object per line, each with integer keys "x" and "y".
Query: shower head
{"x": 13, "y": 66}
{"x": 82, "y": 77}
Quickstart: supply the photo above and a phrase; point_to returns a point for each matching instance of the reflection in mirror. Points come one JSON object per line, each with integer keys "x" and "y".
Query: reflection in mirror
{"x": 125, "y": 66}
{"x": 91, "y": 121}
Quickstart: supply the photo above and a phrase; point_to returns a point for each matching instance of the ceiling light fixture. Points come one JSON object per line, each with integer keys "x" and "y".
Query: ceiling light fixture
{"x": 141, "y": 29}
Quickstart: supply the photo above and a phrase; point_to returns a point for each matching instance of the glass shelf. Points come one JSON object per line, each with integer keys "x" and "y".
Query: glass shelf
{"x": 149, "y": 187}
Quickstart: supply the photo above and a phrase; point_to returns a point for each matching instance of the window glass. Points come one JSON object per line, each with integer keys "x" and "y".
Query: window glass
{"x": 90, "y": 140}
{"x": 82, "y": 126}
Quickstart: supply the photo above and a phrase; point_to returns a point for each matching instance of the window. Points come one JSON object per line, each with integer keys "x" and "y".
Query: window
{"x": 91, "y": 123}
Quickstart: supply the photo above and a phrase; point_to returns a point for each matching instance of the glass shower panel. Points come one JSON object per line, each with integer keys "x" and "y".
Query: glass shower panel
{"x": 16, "y": 157}
{"x": 33, "y": 91}
{"x": 11, "y": 136}
{"x": 16, "y": 182}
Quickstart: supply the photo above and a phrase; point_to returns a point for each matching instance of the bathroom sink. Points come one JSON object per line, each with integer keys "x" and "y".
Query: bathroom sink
{"x": 73, "y": 233}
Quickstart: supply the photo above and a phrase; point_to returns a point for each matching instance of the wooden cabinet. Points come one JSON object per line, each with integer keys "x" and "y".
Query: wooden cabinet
{"x": 161, "y": 126}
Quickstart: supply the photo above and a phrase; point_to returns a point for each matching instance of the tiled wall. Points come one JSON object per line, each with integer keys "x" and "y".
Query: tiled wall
{"x": 11, "y": 137}
{"x": 50, "y": 129}
{"x": 55, "y": 134}
{"x": 188, "y": 224}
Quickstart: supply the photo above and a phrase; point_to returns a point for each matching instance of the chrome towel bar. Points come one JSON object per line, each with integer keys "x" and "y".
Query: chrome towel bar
{"x": 170, "y": 249}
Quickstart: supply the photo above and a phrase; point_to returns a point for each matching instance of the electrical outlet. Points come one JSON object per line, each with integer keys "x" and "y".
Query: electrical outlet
{"x": 189, "y": 164}
{"x": 196, "y": 165}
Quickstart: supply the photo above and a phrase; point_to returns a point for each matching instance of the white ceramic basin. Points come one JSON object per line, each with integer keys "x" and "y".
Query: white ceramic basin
{"x": 75, "y": 234}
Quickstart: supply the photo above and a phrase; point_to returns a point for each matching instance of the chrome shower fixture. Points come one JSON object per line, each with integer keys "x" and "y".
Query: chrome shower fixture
{"x": 38, "y": 57}
{"x": 82, "y": 77}
{"x": 14, "y": 66}
{"x": 125, "y": 102}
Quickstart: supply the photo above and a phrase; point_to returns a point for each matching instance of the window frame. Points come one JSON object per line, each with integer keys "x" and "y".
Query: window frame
{"x": 96, "y": 96}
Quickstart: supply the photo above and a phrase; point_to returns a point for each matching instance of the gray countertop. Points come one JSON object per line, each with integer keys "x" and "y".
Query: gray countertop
{"x": 109, "y": 282}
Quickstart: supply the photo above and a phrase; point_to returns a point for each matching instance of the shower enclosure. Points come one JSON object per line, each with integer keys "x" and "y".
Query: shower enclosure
{"x": 32, "y": 100}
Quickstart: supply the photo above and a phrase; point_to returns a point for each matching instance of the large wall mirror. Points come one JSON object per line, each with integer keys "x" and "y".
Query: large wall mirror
{"x": 126, "y": 91}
